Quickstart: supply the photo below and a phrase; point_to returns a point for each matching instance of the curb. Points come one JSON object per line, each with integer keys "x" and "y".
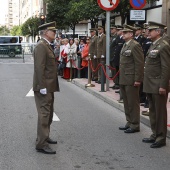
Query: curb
{"x": 143, "y": 119}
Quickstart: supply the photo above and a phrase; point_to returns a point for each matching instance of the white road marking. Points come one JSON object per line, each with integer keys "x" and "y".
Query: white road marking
{"x": 55, "y": 117}
{"x": 30, "y": 93}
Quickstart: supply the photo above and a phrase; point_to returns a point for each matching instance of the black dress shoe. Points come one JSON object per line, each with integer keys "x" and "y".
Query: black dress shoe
{"x": 130, "y": 130}
{"x": 123, "y": 127}
{"x": 46, "y": 150}
{"x": 146, "y": 106}
{"x": 98, "y": 81}
{"x": 158, "y": 144}
{"x": 95, "y": 79}
{"x": 50, "y": 141}
{"x": 148, "y": 140}
{"x": 118, "y": 91}
{"x": 115, "y": 87}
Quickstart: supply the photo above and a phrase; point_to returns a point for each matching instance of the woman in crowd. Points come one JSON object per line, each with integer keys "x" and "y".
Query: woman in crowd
{"x": 72, "y": 55}
{"x": 60, "y": 60}
{"x": 64, "y": 55}
{"x": 84, "y": 57}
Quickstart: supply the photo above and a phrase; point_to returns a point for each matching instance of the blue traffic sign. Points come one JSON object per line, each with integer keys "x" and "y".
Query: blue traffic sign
{"x": 137, "y": 4}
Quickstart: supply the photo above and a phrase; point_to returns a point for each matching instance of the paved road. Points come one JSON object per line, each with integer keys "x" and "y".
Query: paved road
{"x": 87, "y": 133}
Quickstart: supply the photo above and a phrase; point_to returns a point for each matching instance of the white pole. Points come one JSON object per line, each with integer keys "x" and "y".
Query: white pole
{"x": 107, "y": 47}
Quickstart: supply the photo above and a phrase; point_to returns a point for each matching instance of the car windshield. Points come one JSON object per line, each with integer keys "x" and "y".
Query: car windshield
{"x": 7, "y": 40}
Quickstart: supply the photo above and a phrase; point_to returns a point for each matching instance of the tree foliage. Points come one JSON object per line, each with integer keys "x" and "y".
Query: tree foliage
{"x": 16, "y": 30}
{"x": 30, "y": 27}
{"x": 4, "y": 30}
{"x": 56, "y": 12}
{"x": 69, "y": 12}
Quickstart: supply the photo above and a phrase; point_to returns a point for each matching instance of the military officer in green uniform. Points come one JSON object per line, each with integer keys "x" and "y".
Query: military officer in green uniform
{"x": 155, "y": 84}
{"x": 93, "y": 52}
{"x": 131, "y": 75}
{"x": 45, "y": 83}
{"x": 101, "y": 50}
{"x": 165, "y": 36}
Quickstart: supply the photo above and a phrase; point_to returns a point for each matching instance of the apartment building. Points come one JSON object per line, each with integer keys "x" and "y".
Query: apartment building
{"x": 30, "y": 8}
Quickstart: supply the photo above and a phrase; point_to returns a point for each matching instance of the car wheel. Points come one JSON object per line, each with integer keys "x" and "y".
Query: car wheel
{"x": 11, "y": 54}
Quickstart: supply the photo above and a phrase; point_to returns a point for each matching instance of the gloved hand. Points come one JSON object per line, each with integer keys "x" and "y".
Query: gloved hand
{"x": 43, "y": 91}
{"x": 102, "y": 56}
{"x": 95, "y": 57}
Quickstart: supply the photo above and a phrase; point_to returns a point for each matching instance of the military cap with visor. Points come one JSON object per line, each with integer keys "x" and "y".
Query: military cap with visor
{"x": 113, "y": 27}
{"x": 48, "y": 26}
{"x": 154, "y": 25}
{"x": 128, "y": 28}
{"x": 138, "y": 26}
{"x": 119, "y": 27}
{"x": 100, "y": 27}
{"x": 92, "y": 29}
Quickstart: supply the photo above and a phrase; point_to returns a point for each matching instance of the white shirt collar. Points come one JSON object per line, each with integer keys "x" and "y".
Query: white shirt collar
{"x": 47, "y": 41}
{"x": 100, "y": 34}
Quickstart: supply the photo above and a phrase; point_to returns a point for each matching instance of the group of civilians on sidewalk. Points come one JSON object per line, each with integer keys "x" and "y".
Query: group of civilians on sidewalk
{"x": 138, "y": 66}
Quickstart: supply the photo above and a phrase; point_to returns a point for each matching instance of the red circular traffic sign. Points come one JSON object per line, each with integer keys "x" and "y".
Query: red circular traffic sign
{"x": 108, "y": 5}
{"x": 137, "y": 4}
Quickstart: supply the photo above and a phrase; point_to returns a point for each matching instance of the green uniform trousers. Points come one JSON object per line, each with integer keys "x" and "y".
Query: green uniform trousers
{"x": 158, "y": 116}
{"x": 44, "y": 104}
{"x": 130, "y": 96}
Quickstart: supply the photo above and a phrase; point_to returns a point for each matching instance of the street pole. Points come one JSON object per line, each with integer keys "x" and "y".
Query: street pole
{"x": 107, "y": 47}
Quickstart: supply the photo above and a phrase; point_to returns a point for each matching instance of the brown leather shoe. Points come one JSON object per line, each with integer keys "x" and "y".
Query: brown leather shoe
{"x": 50, "y": 141}
{"x": 46, "y": 150}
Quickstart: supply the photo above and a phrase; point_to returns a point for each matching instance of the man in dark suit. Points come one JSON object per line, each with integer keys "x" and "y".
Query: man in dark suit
{"x": 155, "y": 84}
{"x": 101, "y": 49}
{"x": 138, "y": 34}
{"x": 45, "y": 83}
{"x": 93, "y": 52}
{"x": 119, "y": 44}
{"x": 131, "y": 76}
{"x": 113, "y": 43}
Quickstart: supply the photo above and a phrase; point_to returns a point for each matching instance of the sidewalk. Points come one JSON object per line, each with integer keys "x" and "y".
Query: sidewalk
{"x": 112, "y": 98}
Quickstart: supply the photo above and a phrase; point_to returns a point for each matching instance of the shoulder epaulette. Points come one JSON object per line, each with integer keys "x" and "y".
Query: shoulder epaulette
{"x": 135, "y": 42}
{"x": 165, "y": 42}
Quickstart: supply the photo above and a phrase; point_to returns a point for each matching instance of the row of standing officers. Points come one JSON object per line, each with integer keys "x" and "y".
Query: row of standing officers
{"x": 144, "y": 65}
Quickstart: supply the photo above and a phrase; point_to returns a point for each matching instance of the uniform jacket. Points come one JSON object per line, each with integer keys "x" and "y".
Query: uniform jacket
{"x": 113, "y": 44}
{"x": 119, "y": 44}
{"x": 131, "y": 63}
{"x": 140, "y": 39}
{"x": 157, "y": 67}
{"x": 93, "y": 46}
{"x": 45, "y": 68}
{"x": 101, "y": 46}
{"x": 166, "y": 38}
{"x": 145, "y": 45}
